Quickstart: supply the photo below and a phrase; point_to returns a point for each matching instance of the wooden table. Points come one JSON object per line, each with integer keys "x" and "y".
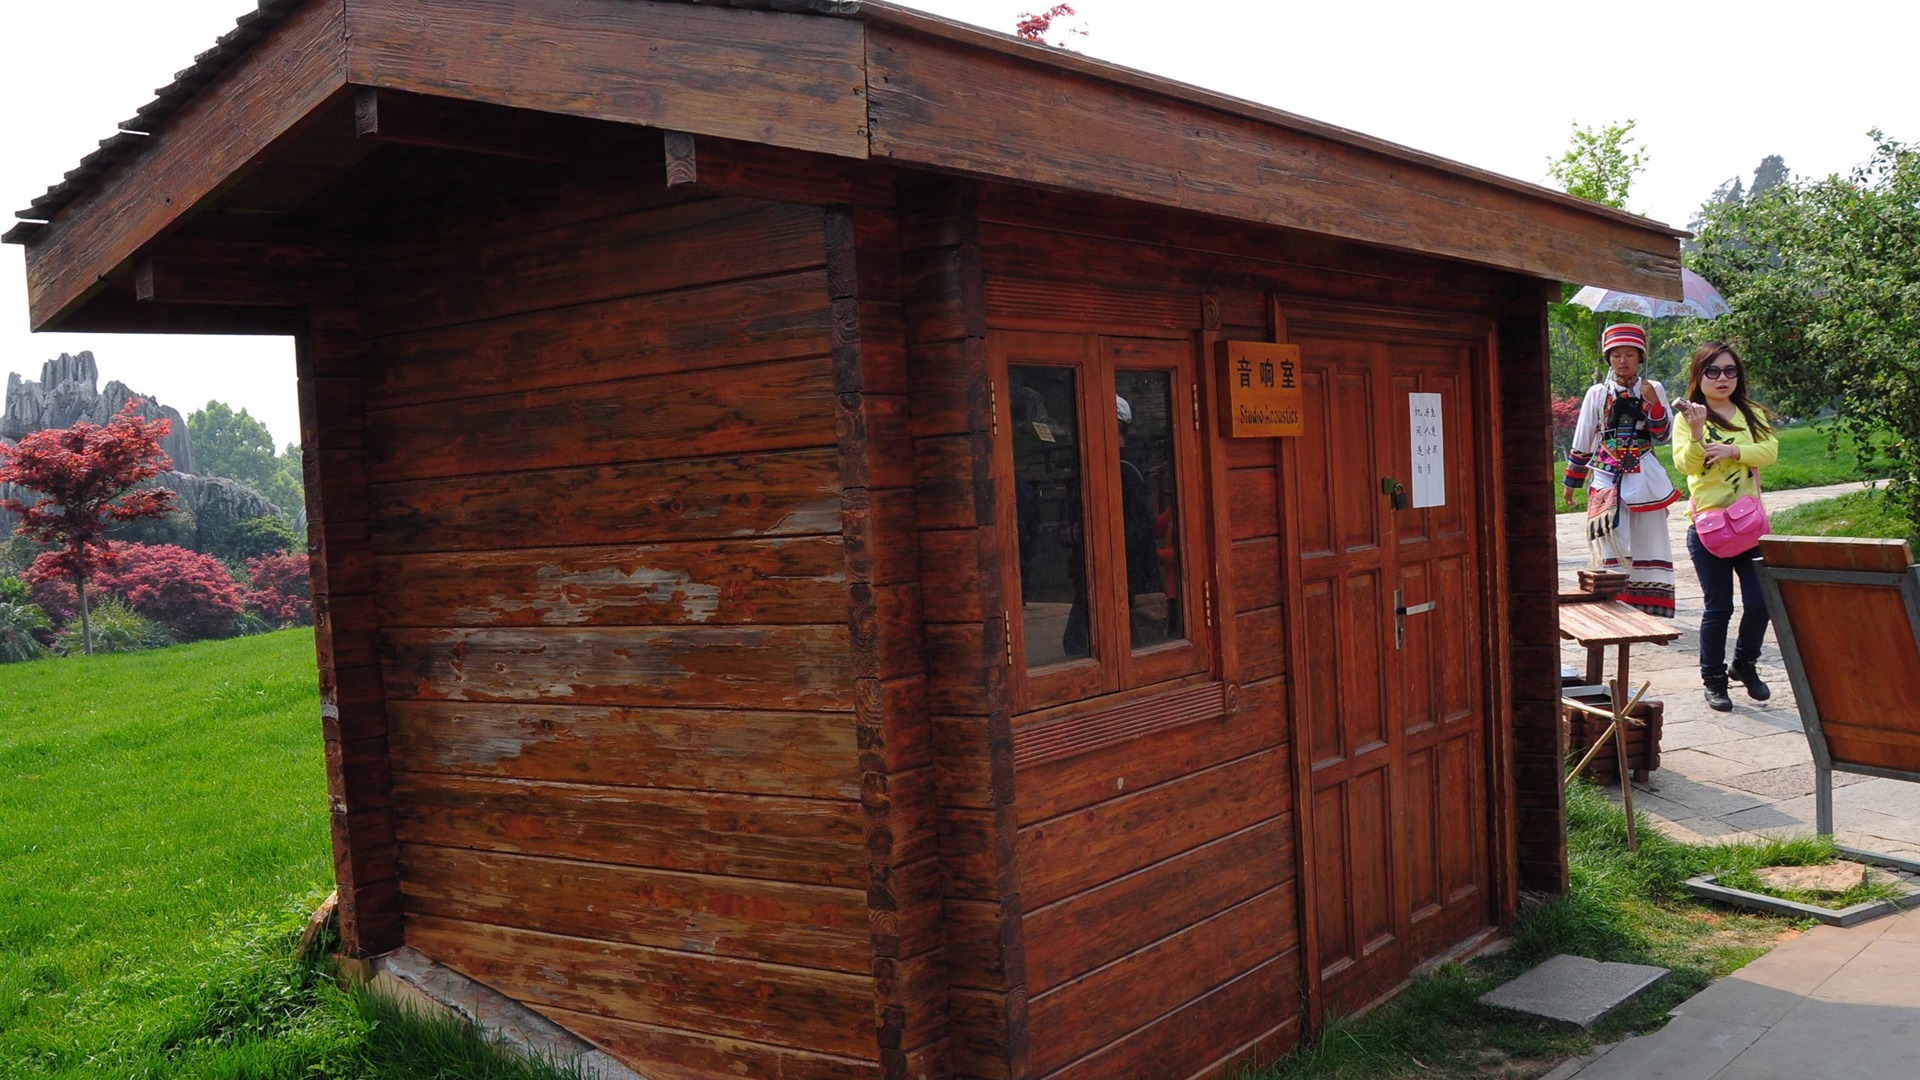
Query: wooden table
{"x": 1594, "y": 625}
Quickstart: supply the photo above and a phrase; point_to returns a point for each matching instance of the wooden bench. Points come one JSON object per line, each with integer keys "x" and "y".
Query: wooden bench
{"x": 1847, "y": 614}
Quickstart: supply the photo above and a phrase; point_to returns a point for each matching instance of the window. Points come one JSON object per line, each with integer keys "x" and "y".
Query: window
{"x": 1101, "y": 458}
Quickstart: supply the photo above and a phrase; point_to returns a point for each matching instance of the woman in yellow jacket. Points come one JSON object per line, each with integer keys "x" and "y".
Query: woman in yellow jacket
{"x": 1723, "y": 441}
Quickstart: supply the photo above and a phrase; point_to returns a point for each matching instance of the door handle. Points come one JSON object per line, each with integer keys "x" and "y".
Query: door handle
{"x": 1400, "y": 613}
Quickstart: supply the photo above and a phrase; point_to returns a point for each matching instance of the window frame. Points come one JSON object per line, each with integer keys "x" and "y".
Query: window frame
{"x": 1115, "y": 667}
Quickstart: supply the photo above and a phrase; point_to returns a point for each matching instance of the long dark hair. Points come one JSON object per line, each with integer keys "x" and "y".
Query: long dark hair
{"x": 1758, "y": 416}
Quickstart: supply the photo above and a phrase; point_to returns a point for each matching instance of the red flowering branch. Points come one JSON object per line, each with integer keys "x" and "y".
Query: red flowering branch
{"x": 1034, "y": 27}
{"x": 88, "y": 475}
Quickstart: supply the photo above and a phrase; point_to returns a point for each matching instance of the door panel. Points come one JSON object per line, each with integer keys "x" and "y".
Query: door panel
{"x": 1395, "y": 727}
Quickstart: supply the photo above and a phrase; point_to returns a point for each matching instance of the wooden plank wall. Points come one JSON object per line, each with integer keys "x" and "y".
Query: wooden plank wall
{"x": 622, "y": 687}
{"x": 966, "y": 659}
{"x": 1159, "y": 913}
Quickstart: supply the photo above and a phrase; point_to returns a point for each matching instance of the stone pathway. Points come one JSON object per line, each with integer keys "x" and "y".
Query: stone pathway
{"x": 1745, "y": 773}
{"x": 1831, "y": 1004}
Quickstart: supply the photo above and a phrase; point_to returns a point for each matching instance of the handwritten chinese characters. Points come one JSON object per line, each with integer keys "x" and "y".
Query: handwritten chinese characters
{"x": 1429, "y": 450}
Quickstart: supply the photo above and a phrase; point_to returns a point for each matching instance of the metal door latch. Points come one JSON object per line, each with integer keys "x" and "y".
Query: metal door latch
{"x": 1400, "y": 613}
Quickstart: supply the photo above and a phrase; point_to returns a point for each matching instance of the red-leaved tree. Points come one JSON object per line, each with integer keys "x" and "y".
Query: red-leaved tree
{"x": 192, "y": 594}
{"x": 88, "y": 475}
{"x": 1566, "y": 416}
{"x": 281, "y": 589}
{"x": 1036, "y": 27}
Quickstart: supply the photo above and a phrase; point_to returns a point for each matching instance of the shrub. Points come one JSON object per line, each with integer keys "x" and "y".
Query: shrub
{"x": 282, "y": 591}
{"x": 22, "y": 626}
{"x": 189, "y": 593}
{"x": 117, "y": 628}
{"x": 15, "y": 591}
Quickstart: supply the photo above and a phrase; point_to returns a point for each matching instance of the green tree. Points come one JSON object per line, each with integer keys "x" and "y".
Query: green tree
{"x": 1824, "y": 280}
{"x": 233, "y": 445}
{"x": 1599, "y": 166}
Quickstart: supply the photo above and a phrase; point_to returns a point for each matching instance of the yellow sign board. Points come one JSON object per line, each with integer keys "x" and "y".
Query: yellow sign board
{"x": 1260, "y": 394}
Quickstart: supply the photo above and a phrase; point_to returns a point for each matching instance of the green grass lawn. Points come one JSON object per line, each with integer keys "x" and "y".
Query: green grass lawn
{"x": 1805, "y": 461}
{"x": 163, "y": 836}
{"x": 1857, "y": 513}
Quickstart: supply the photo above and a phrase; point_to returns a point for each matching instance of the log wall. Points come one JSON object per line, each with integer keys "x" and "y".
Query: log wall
{"x": 626, "y": 662}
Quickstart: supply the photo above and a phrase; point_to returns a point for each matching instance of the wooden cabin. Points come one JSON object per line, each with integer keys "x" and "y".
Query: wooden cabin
{"x": 792, "y": 602}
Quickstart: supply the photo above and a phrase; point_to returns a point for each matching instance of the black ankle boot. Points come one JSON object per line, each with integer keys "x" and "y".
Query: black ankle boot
{"x": 1717, "y": 698}
{"x": 1744, "y": 673}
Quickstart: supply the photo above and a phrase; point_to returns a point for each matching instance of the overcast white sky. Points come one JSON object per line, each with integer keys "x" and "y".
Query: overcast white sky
{"x": 1715, "y": 87}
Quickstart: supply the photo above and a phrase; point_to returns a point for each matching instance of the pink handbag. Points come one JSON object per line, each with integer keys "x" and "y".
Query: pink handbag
{"x": 1733, "y": 530}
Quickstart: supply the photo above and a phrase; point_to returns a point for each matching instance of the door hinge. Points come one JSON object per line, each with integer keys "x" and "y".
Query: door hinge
{"x": 993, "y": 407}
{"x": 1206, "y": 598}
{"x": 1006, "y": 628}
{"x": 1195, "y": 388}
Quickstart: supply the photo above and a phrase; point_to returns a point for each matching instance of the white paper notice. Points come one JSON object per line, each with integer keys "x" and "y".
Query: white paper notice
{"x": 1429, "y": 450}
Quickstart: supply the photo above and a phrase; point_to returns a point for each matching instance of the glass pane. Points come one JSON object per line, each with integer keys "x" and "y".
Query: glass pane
{"x": 1149, "y": 506}
{"x": 1047, "y": 501}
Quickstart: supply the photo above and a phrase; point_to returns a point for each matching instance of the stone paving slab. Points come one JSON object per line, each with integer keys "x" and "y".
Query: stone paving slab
{"x": 1574, "y": 990}
{"x": 1831, "y": 1004}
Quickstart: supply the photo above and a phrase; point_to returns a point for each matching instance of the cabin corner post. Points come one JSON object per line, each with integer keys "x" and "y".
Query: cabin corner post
{"x": 1532, "y": 596}
{"x": 943, "y": 292}
{"x": 328, "y": 360}
{"x": 884, "y": 618}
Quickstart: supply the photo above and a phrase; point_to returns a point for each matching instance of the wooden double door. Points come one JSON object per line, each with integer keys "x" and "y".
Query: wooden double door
{"x": 1391, "y": 704}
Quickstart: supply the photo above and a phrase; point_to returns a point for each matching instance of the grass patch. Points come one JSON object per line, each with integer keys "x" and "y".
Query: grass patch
{"x": 1621, "y": 907}
{"x": 1868, "y": 891}
{"x": 163, "y": 835}
{"x": 1857, "y": 513}
{"x": 1805, "y": 461}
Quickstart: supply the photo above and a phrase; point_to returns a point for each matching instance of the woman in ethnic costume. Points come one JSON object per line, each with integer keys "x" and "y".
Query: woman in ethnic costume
{"x": 1622, "y": 418}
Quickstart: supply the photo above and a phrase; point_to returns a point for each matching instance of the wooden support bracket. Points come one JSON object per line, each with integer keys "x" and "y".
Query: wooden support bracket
{"x": 713, "y": 165}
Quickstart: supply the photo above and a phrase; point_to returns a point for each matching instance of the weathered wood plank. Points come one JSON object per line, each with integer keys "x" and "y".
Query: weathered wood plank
{"x": 283, "y": 272}
{"x": 731, "y": 750}
{"x": 395, "y": 116}
{"x": 1194, "y": 1040}
{"x": 230, "y": 124}
{"x": 786, "y": 494}
{"x": 695, "y": 243}
{"x": 950, "y": 106}
{"x": 661, "y": 1053}
{"x": 786, "y": 79}
{"x": 785, "y": 1006}
{"x": 805, "y": 925}
{"x": 1076, "y": 851}
{"x": 770, "y": 667}
{"x": 809, "y": 841}
{"x": 1070, "y": 938}
{"x": 690, "y": 329}
{"x": 725, "y": 582}
{"x": 1093, "y": 1011}
{"x": 786, "y": 406}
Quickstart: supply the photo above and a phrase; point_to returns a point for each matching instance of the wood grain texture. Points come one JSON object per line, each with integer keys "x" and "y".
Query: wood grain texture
{"x": 690, "y": 329}
{"x": 666, "y": 1053}
{"x": 785, "y": 1006}
{"x": 941, "y": 104}
{"x": 762, "y": 76}
{"x": 785, "y": 406}
{"x": 777, "y": 667}
{"x": 230, "y": 124}
{"x": 808, "y": 841}
{"x": 786, "y": 494}
{"x": 724, "y": 750}
{"x": 1193, "y": 1041}
{"x": 723, "y": 582}
{"x": 805, "y": 925}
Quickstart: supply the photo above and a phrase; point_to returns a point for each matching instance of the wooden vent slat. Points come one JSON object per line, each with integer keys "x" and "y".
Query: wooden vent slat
{"x": 1070, "y": 736}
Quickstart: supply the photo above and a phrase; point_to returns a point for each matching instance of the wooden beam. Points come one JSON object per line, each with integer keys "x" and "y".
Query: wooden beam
{"x": 942, "y": 104}
{"x": 227, "y": 128}
{"x": 791, "y": 80}
{"x": 114, "y": 316}
{"x": 717, "y": 166}
{"x": 396, "y": 116}
{"x": 245, "y": 272}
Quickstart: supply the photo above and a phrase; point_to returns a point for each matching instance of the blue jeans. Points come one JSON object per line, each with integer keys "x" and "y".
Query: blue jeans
{"x": 1716, "y": 581}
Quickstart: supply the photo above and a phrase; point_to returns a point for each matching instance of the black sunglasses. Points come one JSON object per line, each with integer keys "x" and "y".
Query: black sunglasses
{"x": 1727, "y": 371}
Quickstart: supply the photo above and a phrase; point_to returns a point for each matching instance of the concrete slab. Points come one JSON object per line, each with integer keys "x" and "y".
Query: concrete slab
{"x": 1574, "y": 990}
{"x": 1786, "y": 782}
{"x": 1688, "y": 1048}
{"x": 1772, "y": 751}
{"x": 1883, "y": 973}
{"x": 1826, "y": 1040}
{"x": 1693, "y": 733}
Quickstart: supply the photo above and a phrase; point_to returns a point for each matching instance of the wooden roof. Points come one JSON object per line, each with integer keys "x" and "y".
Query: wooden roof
{"x": 849, "y": 78}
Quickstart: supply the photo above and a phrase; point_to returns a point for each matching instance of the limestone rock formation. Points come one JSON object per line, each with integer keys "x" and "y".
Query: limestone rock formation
{"x": 69, "y": 392}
